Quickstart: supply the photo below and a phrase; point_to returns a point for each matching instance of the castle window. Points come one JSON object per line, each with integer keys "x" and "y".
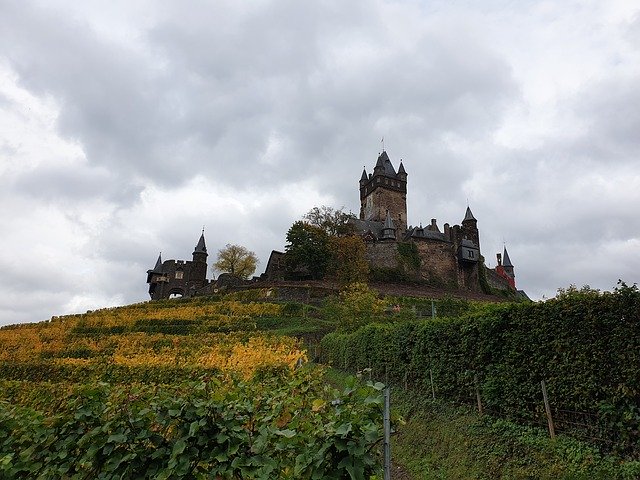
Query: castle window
{"x": 470, "y": 253}
{"x": 179, "y": 275}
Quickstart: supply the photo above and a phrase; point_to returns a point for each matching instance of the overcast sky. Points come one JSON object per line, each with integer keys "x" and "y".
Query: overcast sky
{"x": 127, "y": 126}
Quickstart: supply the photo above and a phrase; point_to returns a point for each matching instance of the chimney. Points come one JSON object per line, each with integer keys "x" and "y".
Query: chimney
{"x": 499, "y": 257}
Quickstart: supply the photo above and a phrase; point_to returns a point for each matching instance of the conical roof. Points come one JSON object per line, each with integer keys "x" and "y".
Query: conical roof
{"x": 364, "y": 175}
{"x": 201, "y": 247}
{"x": 401, "y": 168}
{"x": 468, "y": 215}
{"x": 382, "y": 158}
{"x": 158, "y": 267}
{"x": 388, "y": 168}
{"x": 388, "y": 223}
{"x": 506, "y": 261}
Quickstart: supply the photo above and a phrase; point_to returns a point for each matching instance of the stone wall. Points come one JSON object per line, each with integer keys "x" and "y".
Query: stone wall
{"x": 438, "y": 262}
{"x": 496, "y": 281}
{"x": 382, "y": 254}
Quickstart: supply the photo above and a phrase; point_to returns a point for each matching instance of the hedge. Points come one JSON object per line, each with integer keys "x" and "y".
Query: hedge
{"x": 584, "y": 344}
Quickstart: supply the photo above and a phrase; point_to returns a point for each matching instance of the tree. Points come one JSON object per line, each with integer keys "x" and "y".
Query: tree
{"x": 237, "y": 260}
{"x": 307, "y": 251}
{"x": 335, "y": 223}
{"x": 348, "y": 262}
{"x": 356, "y": 306}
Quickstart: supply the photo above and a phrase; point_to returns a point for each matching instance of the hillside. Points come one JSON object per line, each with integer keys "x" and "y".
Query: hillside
{"x": 223, "y": 386}
{"x": 201, "y": 388}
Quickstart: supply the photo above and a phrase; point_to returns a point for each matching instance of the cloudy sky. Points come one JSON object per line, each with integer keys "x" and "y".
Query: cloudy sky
{"x": 125, "y": 126}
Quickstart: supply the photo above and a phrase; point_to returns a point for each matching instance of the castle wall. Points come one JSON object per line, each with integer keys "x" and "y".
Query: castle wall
{"x": 495, "y": 280}
{"x": 180, "y": 277}
{"x": 382, "y": 254}
{"x": 438, "y": 262}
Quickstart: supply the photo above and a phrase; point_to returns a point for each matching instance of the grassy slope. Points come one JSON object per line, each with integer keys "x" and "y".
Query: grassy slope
{"x": 443, "y": 442}
{"x": 439, "y": 441}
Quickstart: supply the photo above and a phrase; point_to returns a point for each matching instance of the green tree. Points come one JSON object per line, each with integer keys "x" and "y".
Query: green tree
{"x": 335, "y": 223}
{"x": 237, "y": 260}
{"x": 307, "y": 251}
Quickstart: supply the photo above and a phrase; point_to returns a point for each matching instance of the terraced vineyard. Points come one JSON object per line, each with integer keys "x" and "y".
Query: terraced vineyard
{"x": 206, "y": 388}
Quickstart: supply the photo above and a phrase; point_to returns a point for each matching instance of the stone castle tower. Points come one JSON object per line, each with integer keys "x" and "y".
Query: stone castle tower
{"x": 384, "y": 193}
{"x": 450, "y": 256}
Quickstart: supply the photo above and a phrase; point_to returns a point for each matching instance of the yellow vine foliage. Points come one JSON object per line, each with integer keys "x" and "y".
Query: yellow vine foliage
{"x": 56, "y": 338}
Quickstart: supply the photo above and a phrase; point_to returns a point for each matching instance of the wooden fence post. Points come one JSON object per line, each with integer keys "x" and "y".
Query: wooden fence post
{"x": 433, "y": 390}
{"x": 477, "y": 384}
{"x": 547, "y": 408}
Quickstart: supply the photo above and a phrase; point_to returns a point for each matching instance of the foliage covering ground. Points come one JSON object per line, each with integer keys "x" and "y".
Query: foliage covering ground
{"x": 584, "y": 344}
{"x": 205, "y": 388}
{"x": 437, "y": 440}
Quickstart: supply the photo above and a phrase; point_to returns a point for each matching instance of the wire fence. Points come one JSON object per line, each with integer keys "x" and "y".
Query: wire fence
{"x": 589, "y": 427}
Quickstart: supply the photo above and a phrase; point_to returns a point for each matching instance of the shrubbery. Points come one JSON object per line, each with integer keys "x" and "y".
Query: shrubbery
{"x": 278, "y": 426}
{"x": 584, "y": 344}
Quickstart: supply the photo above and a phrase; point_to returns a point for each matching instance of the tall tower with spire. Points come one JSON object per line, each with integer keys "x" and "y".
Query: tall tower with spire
{"x": 199, "y": 265}
{"x": 384, "y": 193}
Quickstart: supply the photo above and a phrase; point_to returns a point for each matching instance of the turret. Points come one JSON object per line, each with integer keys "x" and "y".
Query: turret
{"x": 385, "y": 191}
{"x": 507, "y": 265}
{"x": 470, "y": 228}
{"x": 389, "y": 230}
{"x": 364, "y": 178}
{"x": 505, "y": 268}
{"x": 402, "y": 174}
{"x": 198, "y": 273}
{"x": 200, "y": 252}
{"x": 156, "y": 277}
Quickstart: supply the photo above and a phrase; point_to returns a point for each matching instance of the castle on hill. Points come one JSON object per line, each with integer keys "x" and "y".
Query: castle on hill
{"x": 179, "y": 277}
{"x": 450, "y": 257}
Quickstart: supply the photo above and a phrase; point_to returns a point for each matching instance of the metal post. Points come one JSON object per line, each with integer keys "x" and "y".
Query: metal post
{"x": 387, "y": 434}
{"x": 547, "y": 408}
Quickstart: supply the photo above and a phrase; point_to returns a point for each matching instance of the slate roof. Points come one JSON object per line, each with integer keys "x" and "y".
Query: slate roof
{"x": 468, "y": 215}
{"x": 388, "y": 223}
{"x": 201, "y": 247}
{"x": 506, "y": 261}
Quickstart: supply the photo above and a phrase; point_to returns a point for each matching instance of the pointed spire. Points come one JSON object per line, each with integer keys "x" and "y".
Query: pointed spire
{"x": 201, "y": 247}
{"x": 468, "y": 215}
{"x": 401, "y": 168}
{"x": 364, "y": 176}
{"x": 506, "y": 261}
{"x": 158, "y": 266}
{"x": 388, "y": 222}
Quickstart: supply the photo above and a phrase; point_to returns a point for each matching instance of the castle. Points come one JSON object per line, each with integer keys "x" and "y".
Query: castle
{"x": 449, "y": 257}
{"x": 179, "y": 277}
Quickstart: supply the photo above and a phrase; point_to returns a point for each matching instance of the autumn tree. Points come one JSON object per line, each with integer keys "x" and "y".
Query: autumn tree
{"x": 357, "y": 305}
{"x": 237, "y": 260}
{"x": 334, "y": 222}
{"x": 307, "y": 250}
{"x": 348, "y": 262}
